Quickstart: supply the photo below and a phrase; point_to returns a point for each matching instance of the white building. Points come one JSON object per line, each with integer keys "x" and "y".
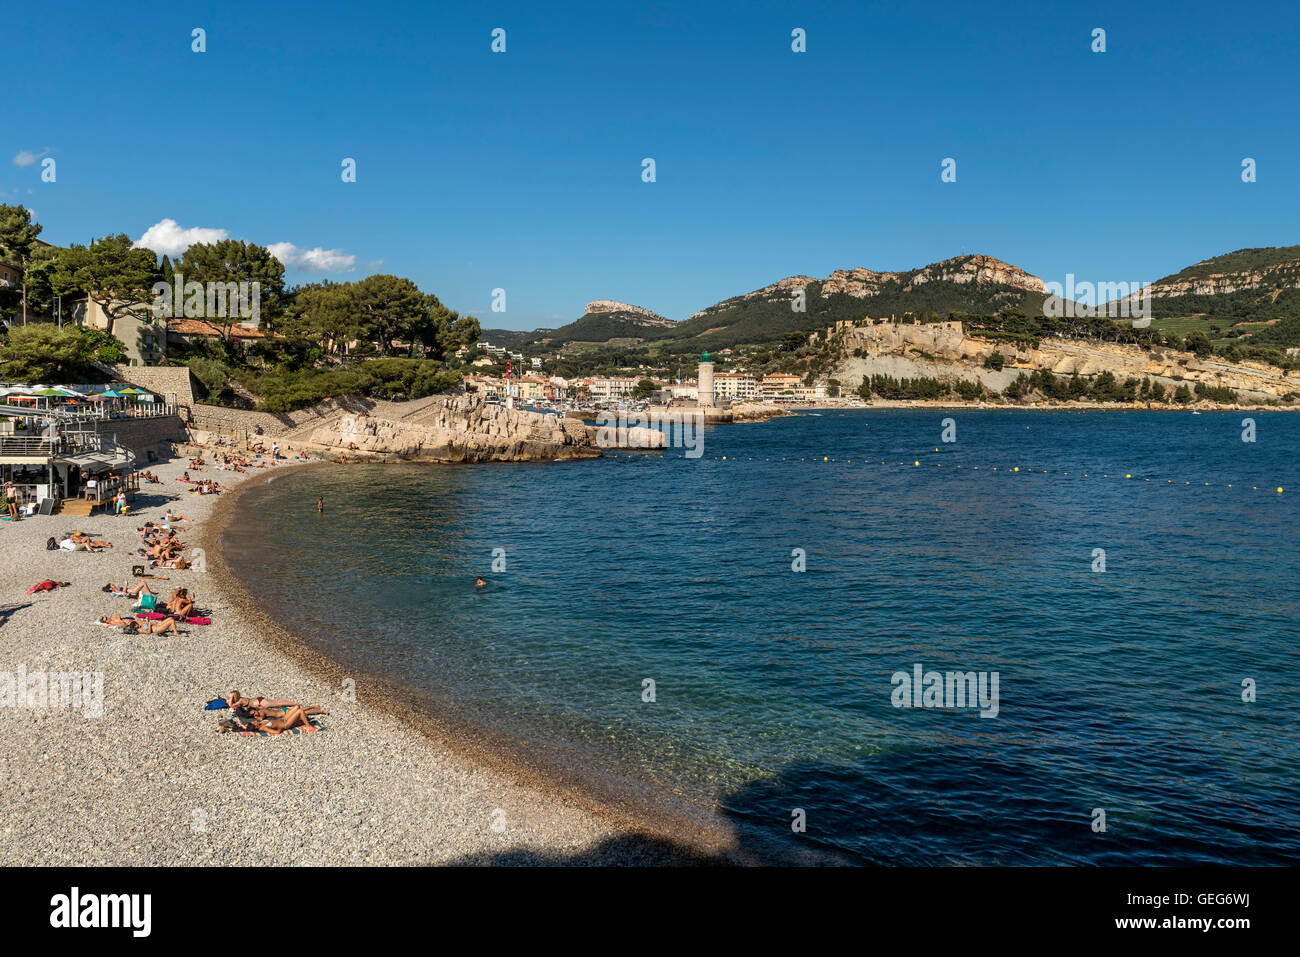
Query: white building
{"x": 734, "y": 385}
{"x": 605, "y": 388}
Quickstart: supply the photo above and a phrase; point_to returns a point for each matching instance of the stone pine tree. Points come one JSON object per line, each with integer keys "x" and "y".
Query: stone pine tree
{"x": 236, "y": 261}
{"x": 111, "y": 272}
{"x": 17, "y": 239}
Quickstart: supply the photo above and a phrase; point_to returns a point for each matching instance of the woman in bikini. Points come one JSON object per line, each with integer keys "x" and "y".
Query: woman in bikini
{"x": 292, "y": 718}
{"x": 236, "y": 701}
{"x": 180, "y": 605}
{"x": 121, "y": 591}
{"x": 140, "y": 626}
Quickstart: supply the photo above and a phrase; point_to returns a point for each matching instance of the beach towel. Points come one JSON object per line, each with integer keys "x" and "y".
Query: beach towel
{"x": 315, "y": 726}
{"x": 216, "y": 704}
{"x": 194, "y": 620}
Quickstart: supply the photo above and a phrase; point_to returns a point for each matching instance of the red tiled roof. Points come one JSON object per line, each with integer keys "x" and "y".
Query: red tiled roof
{"x": 201, "y": 327}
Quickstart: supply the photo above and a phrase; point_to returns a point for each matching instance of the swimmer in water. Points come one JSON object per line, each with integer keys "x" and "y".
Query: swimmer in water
{"x": 480, "y": 583}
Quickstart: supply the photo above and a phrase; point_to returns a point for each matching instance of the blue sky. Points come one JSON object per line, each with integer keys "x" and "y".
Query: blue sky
{"x": 522, "y": 170}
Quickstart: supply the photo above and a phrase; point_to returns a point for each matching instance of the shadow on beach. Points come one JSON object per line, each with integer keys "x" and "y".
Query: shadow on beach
{"x": 7, "y": 612}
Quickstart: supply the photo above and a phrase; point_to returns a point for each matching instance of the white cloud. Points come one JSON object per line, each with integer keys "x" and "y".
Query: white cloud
{"x": 312, "y": 260}
{"x": 169, "y": 238}
{"x": 27, "y": 157}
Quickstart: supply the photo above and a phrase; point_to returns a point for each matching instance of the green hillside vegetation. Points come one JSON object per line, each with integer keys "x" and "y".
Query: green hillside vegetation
{"x": 1242, "y": 260}
{"x": 603, "y": 326}
{"x": 512, "y": 338}
{"x": 757, "y": 321}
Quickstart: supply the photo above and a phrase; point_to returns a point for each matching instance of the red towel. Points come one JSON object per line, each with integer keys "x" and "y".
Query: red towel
{"x": 159, "y": 616}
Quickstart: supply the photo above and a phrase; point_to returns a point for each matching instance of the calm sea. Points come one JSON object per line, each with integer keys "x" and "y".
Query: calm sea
{"x": 1120, "y": 691}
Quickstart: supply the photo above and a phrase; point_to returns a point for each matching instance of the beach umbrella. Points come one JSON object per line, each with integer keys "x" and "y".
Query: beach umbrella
{"x": 47, "y": 392}
{"x": 110, "y": 394}
{"x": 132, "y": 390}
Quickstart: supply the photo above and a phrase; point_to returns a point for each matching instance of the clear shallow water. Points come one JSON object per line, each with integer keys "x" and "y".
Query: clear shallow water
{"x": 1119, "y": 690}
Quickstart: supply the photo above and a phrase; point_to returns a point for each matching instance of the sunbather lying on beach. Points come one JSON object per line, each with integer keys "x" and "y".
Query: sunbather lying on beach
{"x": 141, "y": 626}
{"x": 47, "y": 586}
{"x": 164, "y": 551}
{"x": 115, "y": 621}
{"x": 84, "y": 539}
{"x": 235, "y": 700}
{"x": 180, "y": 563}
{"x": 292, "y": 718}
{"x": 74, "y": 545}
{"x": 123, "y": 591}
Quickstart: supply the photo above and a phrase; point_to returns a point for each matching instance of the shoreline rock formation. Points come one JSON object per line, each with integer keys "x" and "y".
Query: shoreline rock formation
{"x": 460, "y": 428}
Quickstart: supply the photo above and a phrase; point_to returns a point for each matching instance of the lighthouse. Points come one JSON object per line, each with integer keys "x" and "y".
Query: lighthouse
{"x": 706, "y": 382}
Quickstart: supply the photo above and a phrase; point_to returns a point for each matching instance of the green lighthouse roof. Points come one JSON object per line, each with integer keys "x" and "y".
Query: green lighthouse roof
{"x": 705, "y": 357}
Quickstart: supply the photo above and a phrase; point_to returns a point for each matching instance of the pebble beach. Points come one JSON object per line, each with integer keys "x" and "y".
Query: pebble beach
{"x": 149, "y": 782}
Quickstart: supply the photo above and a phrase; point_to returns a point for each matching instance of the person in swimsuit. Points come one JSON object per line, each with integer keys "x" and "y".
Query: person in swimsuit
{"x": 141, "y": 626}
{"x": 292, "y": 718}
{"x": 180, "y": 605}
{"x": 237, "y": 701}
{"x": 122, "y": 591}
{"x": 47, "y": 586}
{"x": 480, "y": 583}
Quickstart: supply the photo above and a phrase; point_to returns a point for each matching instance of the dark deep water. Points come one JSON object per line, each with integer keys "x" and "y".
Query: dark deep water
{"x": 1119, "y": 690}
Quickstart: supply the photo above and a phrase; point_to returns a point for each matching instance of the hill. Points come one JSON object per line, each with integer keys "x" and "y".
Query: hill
{"x": 1248, "y": 294}
{"x": 967, "y": 284}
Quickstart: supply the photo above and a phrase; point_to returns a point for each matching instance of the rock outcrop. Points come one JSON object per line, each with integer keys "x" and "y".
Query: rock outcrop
{"x": 1272, "y": 279}
{"x": 943, "y": 350}
{"x": 460, "y": 428}
{"x": 598, "y": 306}
{"x": 867, "y": 283}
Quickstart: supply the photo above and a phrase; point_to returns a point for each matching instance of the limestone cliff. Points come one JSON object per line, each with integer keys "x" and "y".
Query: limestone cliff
{"x": 943, "y": 350}
{"x": 460, "y": 428}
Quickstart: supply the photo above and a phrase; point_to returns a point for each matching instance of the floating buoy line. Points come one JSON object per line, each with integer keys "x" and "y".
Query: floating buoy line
{"x": 1006, "y": 470}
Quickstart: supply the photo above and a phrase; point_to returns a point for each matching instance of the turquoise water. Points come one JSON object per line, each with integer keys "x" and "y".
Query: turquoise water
{"x": 1118, "y": 690}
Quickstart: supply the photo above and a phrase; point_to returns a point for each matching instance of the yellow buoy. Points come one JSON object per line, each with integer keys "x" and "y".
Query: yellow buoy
{"x": 825, "y": 459}
{"x": 1128, "y": 476}
{"x": 916, "y": 463}
{"x": 1016, "y": 469}
{"x": 1279, "y": 490}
